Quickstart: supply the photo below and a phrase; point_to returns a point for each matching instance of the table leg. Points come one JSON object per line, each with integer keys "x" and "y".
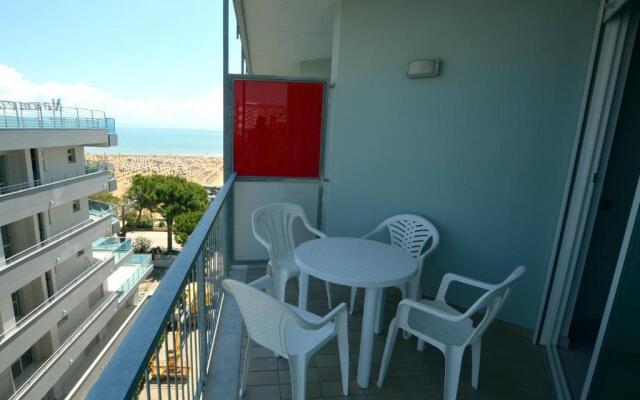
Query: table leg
{"x": 366, "y": 339}
{"x": 303, "y": 289}
{"x": 380, "y": 312}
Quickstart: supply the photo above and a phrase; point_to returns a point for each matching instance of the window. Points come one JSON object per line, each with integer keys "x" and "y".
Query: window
{"x": 71, "y": 155}
{"x": 16, "y": 300}
{"x": 7, "y": 242}
{"x": 49, "y": 280}
{"x": 76, "y": 205}
{"x": 21, "y": 364}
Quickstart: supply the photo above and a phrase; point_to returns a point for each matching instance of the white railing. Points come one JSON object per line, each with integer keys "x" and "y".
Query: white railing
{"x": 90, "y": 168}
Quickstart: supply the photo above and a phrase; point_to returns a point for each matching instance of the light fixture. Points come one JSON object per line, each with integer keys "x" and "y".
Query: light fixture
{"x": 423, "y": 68}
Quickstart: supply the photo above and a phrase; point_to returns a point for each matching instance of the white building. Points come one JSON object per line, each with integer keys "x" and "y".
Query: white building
{"x": 66, "y": 284}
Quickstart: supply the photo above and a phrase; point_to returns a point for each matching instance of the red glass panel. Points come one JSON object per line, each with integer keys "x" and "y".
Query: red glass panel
{"x": 277, "y": 128}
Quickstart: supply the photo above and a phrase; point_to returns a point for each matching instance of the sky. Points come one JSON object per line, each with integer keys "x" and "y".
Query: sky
{"x": 151, "y": 63}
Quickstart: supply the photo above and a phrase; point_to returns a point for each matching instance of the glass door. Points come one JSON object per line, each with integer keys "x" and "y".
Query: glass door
{"x": 615, "y": 367}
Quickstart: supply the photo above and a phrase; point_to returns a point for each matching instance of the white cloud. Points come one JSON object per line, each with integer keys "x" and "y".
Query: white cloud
{"x": 203, "y": 113}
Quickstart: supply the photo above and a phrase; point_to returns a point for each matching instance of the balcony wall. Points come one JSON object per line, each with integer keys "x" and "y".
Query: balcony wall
{"x": 16, "y": 341}
{"x": 483, "y": 150}
{"x": 34, "y": 263}
{"x": 27, "y": 138}
{"x": 28, "y": 202}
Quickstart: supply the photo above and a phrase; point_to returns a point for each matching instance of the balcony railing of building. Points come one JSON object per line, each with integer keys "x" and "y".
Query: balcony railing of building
{"x": 64, "y": 235}
{"x": 57, "y": 362}
{"x": 90, "y": 168}
{"x": 56, "y": 298}
{"x": 167, "y": 352}
{"x": 100, "y": 208}
{"x": 119, "y": 247}
{"x": 142, "y": 264}
{"x": 15, "y": 114}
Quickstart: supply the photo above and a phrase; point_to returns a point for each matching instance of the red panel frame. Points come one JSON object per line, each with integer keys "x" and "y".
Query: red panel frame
{"x": 277, "y": 128}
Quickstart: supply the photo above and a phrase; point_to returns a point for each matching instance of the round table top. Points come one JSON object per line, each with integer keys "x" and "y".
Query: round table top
{"x": 356, "y": 262}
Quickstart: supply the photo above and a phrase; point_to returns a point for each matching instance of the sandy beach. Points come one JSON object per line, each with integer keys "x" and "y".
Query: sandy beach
{"x": 204, "y": 170}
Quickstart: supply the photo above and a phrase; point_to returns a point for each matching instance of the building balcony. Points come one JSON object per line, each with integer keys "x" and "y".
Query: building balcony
{"x": 34, "y": 125}
{"x": 131, "y": 268}
{"x": 31, "y": 197}
{"x": 23, "y": 267}
{"x": 55, "y": 366}
{"x": 98, "y": 209}
{"x": 27, "y": 331}
{"x": 199, "y": 268}
{"x": 126, "y": 278}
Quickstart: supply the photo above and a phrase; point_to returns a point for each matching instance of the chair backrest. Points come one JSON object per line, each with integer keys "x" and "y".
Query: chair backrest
{"x": 273, "y": 226}
{"x": 411, "y": 233}
{"x": 491, "y": 302}
{"x": 265, "y": 317}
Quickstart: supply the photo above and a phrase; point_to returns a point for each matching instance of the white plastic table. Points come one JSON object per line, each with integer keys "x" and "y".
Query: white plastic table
{"x": 355, "y": 262}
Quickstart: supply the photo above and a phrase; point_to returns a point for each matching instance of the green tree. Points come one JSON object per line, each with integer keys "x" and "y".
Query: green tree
{"x": 177, "y": 196}
{"x": 142, "y": 193}
{"x": 106, "y": 197}
{"x": 184, "y": 225}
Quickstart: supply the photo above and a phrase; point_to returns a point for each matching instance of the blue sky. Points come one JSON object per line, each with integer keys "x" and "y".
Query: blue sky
{"x": 162, "y": 55}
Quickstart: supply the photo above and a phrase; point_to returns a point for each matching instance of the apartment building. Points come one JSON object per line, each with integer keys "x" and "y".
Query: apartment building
{"x": 67, "y": 284}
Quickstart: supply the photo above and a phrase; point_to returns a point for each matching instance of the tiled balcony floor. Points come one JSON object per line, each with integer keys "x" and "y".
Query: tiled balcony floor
{"x": 511, "y": 367}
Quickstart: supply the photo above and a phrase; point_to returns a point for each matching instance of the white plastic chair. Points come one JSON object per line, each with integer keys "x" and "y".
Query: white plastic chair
{"x": 288, "y": 331}
{"x": 442, "y": 326}
{"x": 273, "y": 227}
{"x": 411, "y": 233}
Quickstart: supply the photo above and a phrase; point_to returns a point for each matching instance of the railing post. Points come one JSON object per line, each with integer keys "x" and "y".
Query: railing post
{"x": 203, "y": 294}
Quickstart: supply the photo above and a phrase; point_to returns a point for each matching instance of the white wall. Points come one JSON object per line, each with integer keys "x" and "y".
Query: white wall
{"x": 16, "y": 166}
{"x": 248, "y": 196}
{"x": 482, "y": 150}
{"x": 17, "y": 139}
{"x": 55, "y": 164}
{"x": 63, "y": 217}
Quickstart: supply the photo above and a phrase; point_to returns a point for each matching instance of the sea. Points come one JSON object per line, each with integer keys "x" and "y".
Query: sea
{"x": 164, "y": 141}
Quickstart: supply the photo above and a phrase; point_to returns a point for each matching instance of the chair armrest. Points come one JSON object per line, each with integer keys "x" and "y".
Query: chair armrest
{"x": 265, "y": 283}
{"x": 451, "y": 277}
{"x": 332, "y": 315}
{"x": 311, "y": 229}
{"x": 407, "y": 304}
{"x": 374, "y": 232}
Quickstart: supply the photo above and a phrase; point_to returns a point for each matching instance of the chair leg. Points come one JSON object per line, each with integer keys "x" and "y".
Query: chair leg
{"x": 453, "y": 364}
{"x": 343, "y": 350}
{"x": 403, "y": 292}
{"x": 245, "y": 368}
{"x": 298, "y": 369}
{"x": 380, "y": 312}
{"x": 328, "y": 288}
{"x": 280, "y": 283}
{"x": 352, "y": 304}
{"x": 388, "y": 349}
{"x": 476, "y": 349}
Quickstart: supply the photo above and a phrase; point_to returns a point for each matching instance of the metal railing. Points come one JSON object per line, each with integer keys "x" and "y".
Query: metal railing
{"x": 15, "y": 114}
{"x": 90, "y": 168}
{"x": 167, "y": 352}
{"x": 46, "y": 242}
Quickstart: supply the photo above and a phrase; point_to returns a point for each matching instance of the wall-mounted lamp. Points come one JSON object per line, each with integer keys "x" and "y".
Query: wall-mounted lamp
{"x": 423, "y": 68}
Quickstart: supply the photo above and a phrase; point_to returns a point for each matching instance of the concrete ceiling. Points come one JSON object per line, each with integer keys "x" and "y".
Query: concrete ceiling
{"x": 278, "y": 34}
